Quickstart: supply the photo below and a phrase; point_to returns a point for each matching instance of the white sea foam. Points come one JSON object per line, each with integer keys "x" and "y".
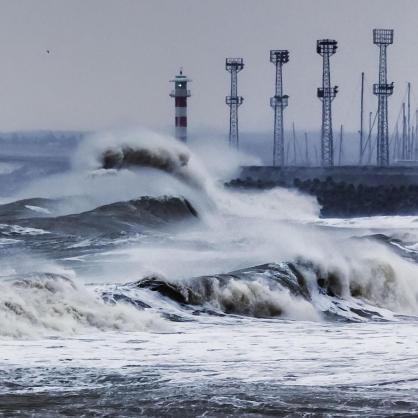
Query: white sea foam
{"x": 257, "y": 298}
{"x": 8, "y": 241}
{"x": 238, "y": 229}
{"x": 38, "y": 209}
{"x": 50, "y": 304}
{"x": 372, "y": 222}
{"x": 8, "y": 168}
{"x": 7, "y": 229}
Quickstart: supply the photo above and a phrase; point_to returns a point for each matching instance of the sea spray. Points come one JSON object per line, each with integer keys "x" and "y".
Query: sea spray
{"x": 149, "y": 165}
{"x": 51, "y": 304}
{"x": 237, "y": 230}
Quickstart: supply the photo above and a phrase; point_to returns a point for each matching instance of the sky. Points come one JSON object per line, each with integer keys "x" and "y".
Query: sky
{"x": 110, "y": 61}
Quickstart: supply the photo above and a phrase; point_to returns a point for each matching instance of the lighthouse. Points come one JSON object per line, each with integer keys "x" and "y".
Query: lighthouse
{"x": 180, "y": 94}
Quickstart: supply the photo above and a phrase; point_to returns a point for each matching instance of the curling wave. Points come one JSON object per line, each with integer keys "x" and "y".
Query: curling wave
{"x": 48, "y": 303}
{"x": 300, "y": 291}
{"x": 149, "y": 150}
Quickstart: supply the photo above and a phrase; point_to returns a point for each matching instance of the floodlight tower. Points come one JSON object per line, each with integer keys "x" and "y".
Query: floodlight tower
{"x": 234, "y": 66}
{"x": 382, "y": 89}
{"x": 180, "y": 94}
{"x": 279, "y": 102}
{"x": 326, "y": 93}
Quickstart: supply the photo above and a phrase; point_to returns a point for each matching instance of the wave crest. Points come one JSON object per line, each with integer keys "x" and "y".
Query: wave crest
{"x": 300, "y": 291}
{"x": 45, "y": 304}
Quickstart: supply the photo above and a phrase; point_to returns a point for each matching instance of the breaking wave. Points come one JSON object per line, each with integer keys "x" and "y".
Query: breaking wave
{"x": 40, "y": 304}
{"x": 117, "y": 167}
{"x": 298, "y": 291}
{"x": 135, "y": 183}
{"x": 263, "y": 291}
{"x": 125, "y": 156}
{"x": 45, "y": 304}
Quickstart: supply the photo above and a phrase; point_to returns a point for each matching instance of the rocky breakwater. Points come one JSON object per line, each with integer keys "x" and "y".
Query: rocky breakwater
{"x": 344, "y": 199}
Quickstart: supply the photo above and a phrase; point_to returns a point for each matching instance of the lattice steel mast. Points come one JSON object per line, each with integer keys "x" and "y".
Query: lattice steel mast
{"x": 382, "y": 89}
{"x": 279, "y": 102}
{"x": 234, "y": 65}
{"x": 326, "y": 93}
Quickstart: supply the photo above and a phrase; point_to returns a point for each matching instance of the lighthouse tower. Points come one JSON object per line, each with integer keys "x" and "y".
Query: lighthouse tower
{"x": 180, "y": 94}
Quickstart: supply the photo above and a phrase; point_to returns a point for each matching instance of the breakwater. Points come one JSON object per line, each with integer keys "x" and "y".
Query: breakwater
{"x": 343, "y": 191}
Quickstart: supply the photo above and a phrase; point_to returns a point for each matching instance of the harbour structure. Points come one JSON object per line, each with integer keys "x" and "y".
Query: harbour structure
{"x": 279, "y": 102}
{"x": 180, "y": 93}
{"x": 326, "y": 93}
{"x": 397, "y": 146}
{"x": 234, "y": 66}
{"x": 408, "y": 130}
{"x": 294, "y": 143}
{"x": 416, "y": 135}
{"x": 382, "y": 38}
{"x": 405, "y": 151}
{"x": 361, "y": 120}
{"x": 341, "y": 147}
{"x": 369, "y": 137}
{"x": 307, "y": 159}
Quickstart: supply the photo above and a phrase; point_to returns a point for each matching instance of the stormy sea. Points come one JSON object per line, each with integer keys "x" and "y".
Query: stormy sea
{"x": 133, "y": 283}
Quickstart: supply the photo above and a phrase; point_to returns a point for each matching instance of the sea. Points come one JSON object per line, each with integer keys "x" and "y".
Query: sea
{"x": 133, "y": 283}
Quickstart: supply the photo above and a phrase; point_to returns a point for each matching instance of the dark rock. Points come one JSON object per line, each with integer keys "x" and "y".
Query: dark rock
{"x": 344, "y": 199}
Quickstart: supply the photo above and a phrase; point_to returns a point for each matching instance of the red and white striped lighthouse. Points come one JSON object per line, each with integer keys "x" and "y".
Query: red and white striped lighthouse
{"x": 180, "y": 94}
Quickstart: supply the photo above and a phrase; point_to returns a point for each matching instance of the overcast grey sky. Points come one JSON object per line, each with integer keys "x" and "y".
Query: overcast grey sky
{"x": 110, "y": 60}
